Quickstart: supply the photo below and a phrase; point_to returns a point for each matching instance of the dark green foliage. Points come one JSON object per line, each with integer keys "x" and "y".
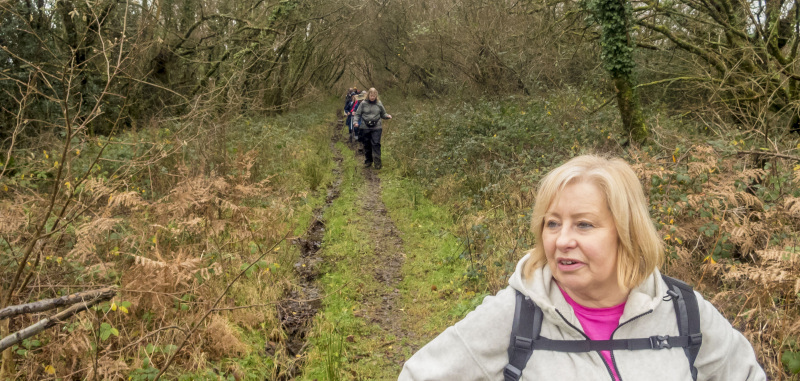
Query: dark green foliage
{"x": 617, "y": 49}
{"x": 792, "y": 361}
{"x": 614, "y": 17}
{"x": 482, "y": 144}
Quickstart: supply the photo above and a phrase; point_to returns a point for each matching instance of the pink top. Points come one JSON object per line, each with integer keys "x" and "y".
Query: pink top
{"x": 598, "y": 324}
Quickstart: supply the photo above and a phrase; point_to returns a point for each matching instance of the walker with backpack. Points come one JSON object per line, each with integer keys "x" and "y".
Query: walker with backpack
{"x": 528, "y": 323}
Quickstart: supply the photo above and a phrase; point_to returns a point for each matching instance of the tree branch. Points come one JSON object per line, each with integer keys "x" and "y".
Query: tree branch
{"x": 670, "y": 80}
{"x": 773, "y": 154}
{"x": 49, "y": 304}
{"x": 45, "y": 323}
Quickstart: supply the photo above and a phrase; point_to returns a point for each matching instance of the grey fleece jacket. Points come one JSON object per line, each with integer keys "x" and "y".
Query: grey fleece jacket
{"x": 475, "y": 348}
{"x": 370, "y": 111}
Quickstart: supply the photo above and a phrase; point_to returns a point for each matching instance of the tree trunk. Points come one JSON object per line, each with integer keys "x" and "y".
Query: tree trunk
{"x": 629, "y": 110}
{"x": 614, "y": 16}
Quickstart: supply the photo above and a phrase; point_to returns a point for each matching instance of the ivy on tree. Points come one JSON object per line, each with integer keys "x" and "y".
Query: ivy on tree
{"x": 617, "y": 55}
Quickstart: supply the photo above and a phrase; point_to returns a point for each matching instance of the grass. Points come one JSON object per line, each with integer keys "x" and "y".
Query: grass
{"x": 435, "y": 293}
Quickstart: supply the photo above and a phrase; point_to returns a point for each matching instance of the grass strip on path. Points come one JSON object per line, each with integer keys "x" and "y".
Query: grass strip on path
{"x": 340, "y": 338}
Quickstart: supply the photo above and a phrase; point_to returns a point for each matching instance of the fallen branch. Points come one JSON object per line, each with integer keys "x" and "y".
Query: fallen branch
{"x": 766, "y": 153}
{"x": 241, "y": 307}
{"x": 45, "y": 323}
{"x": 49, "y": 304}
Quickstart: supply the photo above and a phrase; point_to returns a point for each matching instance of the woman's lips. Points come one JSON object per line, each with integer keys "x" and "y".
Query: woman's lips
{"x": 569, "y": 264}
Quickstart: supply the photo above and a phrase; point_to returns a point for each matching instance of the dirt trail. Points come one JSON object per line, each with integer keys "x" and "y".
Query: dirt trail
{"x": 382, "y": 307}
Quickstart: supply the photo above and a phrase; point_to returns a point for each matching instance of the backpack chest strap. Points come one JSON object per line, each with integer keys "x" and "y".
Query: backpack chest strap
{"x": 652, "y": 342}
{"x": 528, "y": 322}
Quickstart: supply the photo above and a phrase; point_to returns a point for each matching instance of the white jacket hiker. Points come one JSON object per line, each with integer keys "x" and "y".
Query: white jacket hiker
{"x": 593, "y": 274}
{"x": 475, "y": 347}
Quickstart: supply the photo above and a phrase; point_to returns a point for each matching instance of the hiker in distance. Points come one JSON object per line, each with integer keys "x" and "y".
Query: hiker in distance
{"x": 603, "y": 311}
{"x": 350, "y": 109}
{"x": 348, "y": 104}
{"x": 368, "y": 119}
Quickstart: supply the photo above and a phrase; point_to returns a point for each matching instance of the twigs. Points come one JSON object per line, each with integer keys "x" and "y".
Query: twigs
{"x": 601, "y": 106}
{"x": 149, "y": 334}
{"x": 671, "y": 80}
{"x": 20, "y": 126}
{"x": 62, "y": 87}
{"x": 243, "y": 307}
{"x": 773, "y": 154}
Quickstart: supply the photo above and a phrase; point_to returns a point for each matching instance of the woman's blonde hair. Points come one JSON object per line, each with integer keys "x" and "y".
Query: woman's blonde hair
{"x": 640, "y": 250}
{"x": 371, "y": 91}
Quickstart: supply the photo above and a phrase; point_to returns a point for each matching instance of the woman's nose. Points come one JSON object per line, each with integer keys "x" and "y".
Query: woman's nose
{"x": 565, "y": 241}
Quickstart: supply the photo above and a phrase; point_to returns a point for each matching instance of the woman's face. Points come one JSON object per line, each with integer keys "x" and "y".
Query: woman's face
{"x": 373, "y": 97}
{"x": 580, "y": 241}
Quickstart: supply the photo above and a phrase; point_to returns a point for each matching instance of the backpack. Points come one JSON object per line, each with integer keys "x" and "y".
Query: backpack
{"x": 528, "y": 323}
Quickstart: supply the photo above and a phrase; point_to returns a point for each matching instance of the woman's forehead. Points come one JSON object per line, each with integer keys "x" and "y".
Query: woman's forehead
{"x": 579, "y": 198}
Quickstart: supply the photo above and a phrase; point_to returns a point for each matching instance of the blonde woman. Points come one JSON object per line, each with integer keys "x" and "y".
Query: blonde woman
{"x": 368, "y": 120}
{"x": 606, "y": 311}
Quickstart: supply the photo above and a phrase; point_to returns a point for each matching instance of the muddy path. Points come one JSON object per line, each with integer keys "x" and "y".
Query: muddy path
{"x": 382, "y": 306}
{"x": 302, "y": 301}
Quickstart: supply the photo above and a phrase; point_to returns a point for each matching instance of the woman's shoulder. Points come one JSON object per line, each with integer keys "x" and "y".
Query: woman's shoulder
{"x": 474, "y": 348}
{"x": 494, "y": 312}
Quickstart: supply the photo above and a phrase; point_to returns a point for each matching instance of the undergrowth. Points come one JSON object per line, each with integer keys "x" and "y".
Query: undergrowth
{"x": 170, "y": 214}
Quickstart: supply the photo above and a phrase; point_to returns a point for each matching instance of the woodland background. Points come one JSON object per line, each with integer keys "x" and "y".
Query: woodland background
{"x": 166, "y": 149}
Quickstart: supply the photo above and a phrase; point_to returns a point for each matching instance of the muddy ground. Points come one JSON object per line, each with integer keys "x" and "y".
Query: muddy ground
{"x": 382, "y": 307}
{"x": 297, "y": 310}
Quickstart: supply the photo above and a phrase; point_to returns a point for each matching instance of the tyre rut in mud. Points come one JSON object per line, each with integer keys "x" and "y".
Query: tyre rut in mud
{"x": 302, "y": 301}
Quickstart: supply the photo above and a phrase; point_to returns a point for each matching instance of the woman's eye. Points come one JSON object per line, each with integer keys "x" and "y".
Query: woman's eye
{"x": 551, "y": 224}
{"x": 585, "y": 225}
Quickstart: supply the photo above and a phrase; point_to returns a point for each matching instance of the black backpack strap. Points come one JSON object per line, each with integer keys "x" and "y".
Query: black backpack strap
{"x": 526, "y": 327}
{"x": 528, "y": 323}
{"x": 688, "y": 315}
{"x": 577, "y": 346}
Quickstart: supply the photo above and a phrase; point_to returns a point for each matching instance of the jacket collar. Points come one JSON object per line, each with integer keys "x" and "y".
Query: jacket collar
{"x": 542, "y": 289}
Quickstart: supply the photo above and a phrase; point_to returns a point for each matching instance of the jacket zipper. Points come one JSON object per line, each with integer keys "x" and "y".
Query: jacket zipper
{"x": 608, "y": 369}
{"x": 613, "y": 358}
